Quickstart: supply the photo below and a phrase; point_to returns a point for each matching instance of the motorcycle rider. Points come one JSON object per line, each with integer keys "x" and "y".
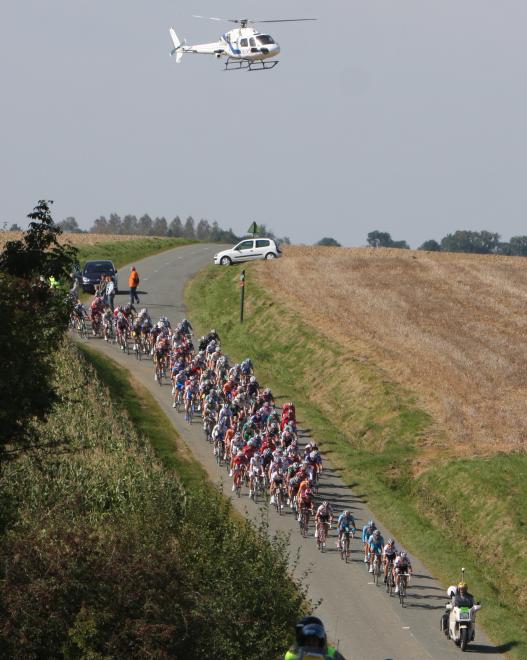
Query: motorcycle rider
{"x": 460, "y": 597}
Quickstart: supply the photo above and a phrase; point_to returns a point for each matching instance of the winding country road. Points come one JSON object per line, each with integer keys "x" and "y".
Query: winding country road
{"x": 359, "y": 616}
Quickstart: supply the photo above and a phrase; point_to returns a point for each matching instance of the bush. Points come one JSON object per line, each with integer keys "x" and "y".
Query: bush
{"x": 105, "y": 555}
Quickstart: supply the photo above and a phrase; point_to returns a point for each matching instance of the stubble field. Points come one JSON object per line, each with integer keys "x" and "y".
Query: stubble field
{"x": 451, "y": 327}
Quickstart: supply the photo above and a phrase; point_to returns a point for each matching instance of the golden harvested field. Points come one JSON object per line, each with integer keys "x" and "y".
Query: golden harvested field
{"x": 74, "y": 239}
{"x": 450, "y": 327}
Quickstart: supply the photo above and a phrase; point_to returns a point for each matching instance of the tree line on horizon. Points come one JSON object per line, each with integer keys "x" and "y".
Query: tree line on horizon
{"x": 145, "y": 225}
{"x": 475, "y": 242}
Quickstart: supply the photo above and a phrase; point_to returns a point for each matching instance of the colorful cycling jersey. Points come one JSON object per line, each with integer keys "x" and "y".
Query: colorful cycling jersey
{"x": 390, "y": 551}
{"x": 367, "y": 531}
{"x": 401, "y": 564}
{"x": 346, "y": 521}
{"x": 324, "y": 512}
{"x": 376, "y": 545}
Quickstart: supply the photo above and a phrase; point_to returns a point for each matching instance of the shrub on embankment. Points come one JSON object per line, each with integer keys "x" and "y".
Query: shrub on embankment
{"x": 104, "y": 554}
{"x": 450, "y": 512}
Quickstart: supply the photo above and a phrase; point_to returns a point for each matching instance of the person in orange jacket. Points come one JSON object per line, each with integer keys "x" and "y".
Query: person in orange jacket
{"x": 133, "y": 283}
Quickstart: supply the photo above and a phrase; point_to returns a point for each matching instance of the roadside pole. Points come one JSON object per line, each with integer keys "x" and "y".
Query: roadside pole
{"x": 242, "y": 294}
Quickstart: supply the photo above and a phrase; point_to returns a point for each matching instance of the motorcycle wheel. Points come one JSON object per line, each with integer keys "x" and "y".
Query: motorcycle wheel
{"x": 463, "y": 641}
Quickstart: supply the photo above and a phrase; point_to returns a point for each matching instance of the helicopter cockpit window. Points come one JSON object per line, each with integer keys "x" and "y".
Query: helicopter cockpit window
{"x": 265, "y": 40}
{"x": 252, "y": 41}
{"x": 243, "y": 43}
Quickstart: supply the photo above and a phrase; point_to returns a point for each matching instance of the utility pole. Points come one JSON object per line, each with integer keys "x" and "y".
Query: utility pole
{"x": 242, "y": 293}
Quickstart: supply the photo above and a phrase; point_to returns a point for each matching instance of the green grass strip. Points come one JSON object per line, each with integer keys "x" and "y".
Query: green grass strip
{"x": 429, "y": 514}
{"x": 147, "y": 417}
{"x": 125, "y": 252}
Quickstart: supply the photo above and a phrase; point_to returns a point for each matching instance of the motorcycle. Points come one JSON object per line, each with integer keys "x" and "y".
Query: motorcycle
{"x": 462, "y": 624}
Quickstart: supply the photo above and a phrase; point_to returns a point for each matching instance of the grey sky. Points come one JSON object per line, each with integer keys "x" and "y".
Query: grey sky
{"x": 407, "y": 116}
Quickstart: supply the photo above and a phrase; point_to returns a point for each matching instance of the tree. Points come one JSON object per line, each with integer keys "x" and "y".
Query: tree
{"x": 430, "y": 246}
{"x": 518, "y": 246}
{"x": 330, "y": 242}
{"x": 129, "y": 225}
{"x": 100, "y": 226}
{"x": 188, "y": 229}
{"x": 203, "y": 230}
{"x": 383, "y": 239}
{"x": 35, "y": 317}
{"x": 215, "y": 232}
{"x": 175, "y": 228}
{"x": 114, "y": 224}
{"x": 69, "y": 225}
{"x": 15, "y": 227}
{"x": 144, "y": 226}
{"x": 479, "y": 242}
{"x": 379, "y": 239}
{"x": 159, "y": 228}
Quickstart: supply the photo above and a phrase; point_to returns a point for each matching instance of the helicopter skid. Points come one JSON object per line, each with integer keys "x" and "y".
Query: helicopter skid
{"x": 249, "y": 65}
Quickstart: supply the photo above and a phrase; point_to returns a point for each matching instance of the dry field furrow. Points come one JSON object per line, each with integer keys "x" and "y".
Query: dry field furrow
{"x": 451, "y": 327}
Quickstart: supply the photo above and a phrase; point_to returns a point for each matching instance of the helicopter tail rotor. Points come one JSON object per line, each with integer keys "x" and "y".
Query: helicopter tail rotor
{"x": 177, "y": 46}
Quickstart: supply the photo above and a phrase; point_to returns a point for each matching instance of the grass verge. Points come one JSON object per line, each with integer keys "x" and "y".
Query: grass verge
{"x": 467, "y": 513}
{"x": 147, "y": 417}
{"x": 124, "y": 252}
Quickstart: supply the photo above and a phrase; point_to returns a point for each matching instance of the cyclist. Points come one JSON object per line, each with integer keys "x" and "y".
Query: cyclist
{"x": 375, "y": 546}
{"x": 311, "y": 641}
{"x": 276, "y": 481}
{"x": 401, "y": 565}
{"x": 367, "y": 531}
{"x": 324, "y": 516}
{"x": 255, "y": 470}
{"x": 345, "y": 520}
{"x": 189, "y": 396}
{"x": 239, "y": 464}
{"x": 306, "y": 504}
{"x": 389, "y": 554}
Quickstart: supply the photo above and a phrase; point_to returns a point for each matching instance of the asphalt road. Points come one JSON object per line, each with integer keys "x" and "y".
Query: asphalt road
{"x": 359, "y": 616}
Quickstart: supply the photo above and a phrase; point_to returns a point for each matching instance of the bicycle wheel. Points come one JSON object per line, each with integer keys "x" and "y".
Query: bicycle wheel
{"x": 346, "y": 548}
{"x": 389, "y": 582}
{"x": 402, "y": 590}
{"x": 376, "y": 571}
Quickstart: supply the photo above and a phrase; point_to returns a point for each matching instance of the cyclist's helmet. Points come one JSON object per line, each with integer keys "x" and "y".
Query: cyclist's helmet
{"x": 462, "y": 586}
{"x": 252, "y": 379}
{"x": 391, "y": 541}
{"x": 376, "y": 534}
{"x": 371, "y": 523}
{"x": 403, "y": 555}
{"x": 309, "y": 631}
{"x": 346, "y": 513}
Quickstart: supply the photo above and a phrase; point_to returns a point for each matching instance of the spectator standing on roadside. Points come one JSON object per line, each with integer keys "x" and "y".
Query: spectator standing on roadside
{"x": 133, "y": 283}
{"x": 110, "y": 292}
{"x": 100, "y": 289}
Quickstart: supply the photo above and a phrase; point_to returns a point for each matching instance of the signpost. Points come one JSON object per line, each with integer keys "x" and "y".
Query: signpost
{"x": 253, "y": 229}
{"x": 242, "y": 293}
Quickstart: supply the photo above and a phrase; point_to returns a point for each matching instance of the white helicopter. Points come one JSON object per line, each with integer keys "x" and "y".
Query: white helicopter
{"x": 243, "y": 47}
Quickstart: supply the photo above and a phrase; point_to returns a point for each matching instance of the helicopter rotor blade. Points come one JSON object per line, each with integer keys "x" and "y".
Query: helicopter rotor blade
{"x": 282, "y": 20}
{"x": 214, "y": 18}
{"x": 245, "y": 21}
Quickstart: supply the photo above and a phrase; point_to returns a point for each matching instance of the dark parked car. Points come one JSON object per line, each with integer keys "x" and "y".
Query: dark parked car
{"x": 93, "y": 272}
